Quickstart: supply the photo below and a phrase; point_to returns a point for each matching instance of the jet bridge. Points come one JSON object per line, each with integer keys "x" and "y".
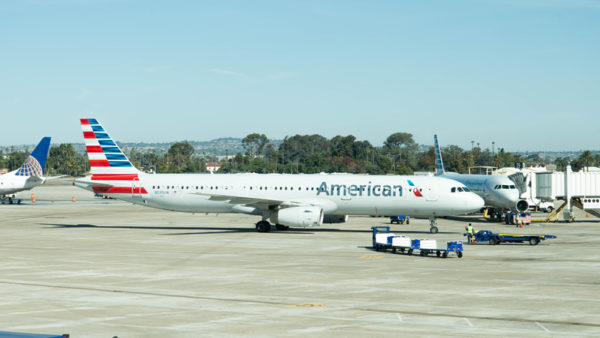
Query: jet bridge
{"x": 580, "y": 189}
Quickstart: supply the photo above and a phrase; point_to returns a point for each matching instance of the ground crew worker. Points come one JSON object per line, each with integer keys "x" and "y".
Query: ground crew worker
{"x": 470, "y": 233}
{"x": 517, "y": 219}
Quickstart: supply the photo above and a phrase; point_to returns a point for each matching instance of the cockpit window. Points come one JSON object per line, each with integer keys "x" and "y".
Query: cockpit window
{"x": 460, "y": 189}
{"x": 453, "y": 189}
{"x": 504, "y": 186}
{"x": 513, "y": 187}
{"x": 467, "y": 189}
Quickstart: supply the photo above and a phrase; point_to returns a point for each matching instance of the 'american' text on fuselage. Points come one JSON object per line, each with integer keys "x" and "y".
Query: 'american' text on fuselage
{"x": 360, "y": 190}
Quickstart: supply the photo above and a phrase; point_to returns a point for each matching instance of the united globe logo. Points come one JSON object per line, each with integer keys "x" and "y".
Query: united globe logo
{"x": 31, "y": 167}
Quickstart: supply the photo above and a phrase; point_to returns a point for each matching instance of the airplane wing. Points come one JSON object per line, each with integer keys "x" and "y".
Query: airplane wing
{"x": 35, "y": 179}
{"x": 87, "y": 184}
{"x": 255, "y": 202}
{"x": 54, "y": 177}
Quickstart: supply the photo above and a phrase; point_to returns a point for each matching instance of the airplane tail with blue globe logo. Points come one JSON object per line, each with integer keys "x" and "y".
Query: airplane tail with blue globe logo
{"x": 36, "y": 162}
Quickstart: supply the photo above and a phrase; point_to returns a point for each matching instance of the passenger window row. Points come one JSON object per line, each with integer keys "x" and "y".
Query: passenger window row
{"x": 168, "y": 187}
{"x": 504, "y": 186}
{"x": 460, "y": 189}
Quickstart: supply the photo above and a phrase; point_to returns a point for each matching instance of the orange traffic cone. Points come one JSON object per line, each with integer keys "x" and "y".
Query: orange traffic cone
{"x": 32, "y": 199}
{"x": 587, "y": 215}
{"x": 73, "y": 199}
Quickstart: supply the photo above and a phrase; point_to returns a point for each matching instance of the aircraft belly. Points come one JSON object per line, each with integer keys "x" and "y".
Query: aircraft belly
{"x": 390, "y": 208}
{"x": 362, "y": 207}
{"x": 9, "y": 191}
{"x": 188, "y": 203}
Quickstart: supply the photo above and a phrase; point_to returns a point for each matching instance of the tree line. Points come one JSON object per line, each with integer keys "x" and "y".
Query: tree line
{"x": 303, "y": 154}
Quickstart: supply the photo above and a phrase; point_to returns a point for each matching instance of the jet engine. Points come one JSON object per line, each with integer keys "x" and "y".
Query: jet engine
{"x": 308, "y": 216}
{"x": 335, "y": 219}
{"x": 522, "y": 205}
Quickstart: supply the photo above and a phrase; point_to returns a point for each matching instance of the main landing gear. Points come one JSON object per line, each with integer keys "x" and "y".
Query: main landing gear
{"x": 10, "y": 200}
{"x": 281, "y": 227}
{"x": 265, "y": 226}
{"x": 433, "y": 225}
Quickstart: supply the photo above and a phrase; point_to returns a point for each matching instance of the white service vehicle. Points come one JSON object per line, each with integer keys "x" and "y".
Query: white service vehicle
{"x": 28, "y": 176}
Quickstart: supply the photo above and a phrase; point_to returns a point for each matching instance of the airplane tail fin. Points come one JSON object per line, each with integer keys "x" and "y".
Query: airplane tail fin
{"x": 36, "y": 162}
{"x": 105, "y": 156}
{"x": 439, "y": 164}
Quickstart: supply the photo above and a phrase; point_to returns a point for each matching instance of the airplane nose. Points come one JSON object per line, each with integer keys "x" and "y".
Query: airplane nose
{"x": 509, "y": 198}
{"x": 474, "y": 202}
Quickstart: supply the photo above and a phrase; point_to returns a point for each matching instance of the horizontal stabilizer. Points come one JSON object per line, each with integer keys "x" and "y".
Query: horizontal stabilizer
{"x": 87, "y": 184}
{"x": 35, "y": 180}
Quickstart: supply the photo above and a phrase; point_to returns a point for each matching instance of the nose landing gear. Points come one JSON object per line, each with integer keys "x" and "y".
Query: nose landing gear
{"x": 433, "y": 225}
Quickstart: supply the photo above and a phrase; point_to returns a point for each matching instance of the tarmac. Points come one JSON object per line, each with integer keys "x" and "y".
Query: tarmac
{"x": 103, "y": 268}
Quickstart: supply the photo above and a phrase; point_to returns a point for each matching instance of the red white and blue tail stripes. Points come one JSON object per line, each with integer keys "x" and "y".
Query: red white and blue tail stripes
{"x": 110, "y": 168}
{"x": 104, "y": 154}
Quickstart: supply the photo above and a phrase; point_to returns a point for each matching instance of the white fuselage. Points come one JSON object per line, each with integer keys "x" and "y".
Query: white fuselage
{"x": 496, "y": 191}
{"x": 336, "y": 194}
{"x": 11, "y": 183}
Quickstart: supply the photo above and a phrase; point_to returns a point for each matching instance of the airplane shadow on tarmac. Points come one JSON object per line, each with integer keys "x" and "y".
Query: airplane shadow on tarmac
{"x": 81, "y": 226}
{"x": 207, "y": 230}
{"x": 467, "y": 219}
{"x": 217, "y": 230}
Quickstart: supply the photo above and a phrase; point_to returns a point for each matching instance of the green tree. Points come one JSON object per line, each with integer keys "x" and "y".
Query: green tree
{"x": 402, "y": 148}
{"x": 254, "y": 144}
{"x": 297, "y": 148}
{"x": 384, "y": 163}
{"x": 426, "y": 160}
{"x": 342, "y": 146}
{"x": 362, "y": 150}
{"x": 561, "y": 163}
{"x": 179, "y": 156}
{"x": 63, "y": 160}
{"x": 583, "y": 161}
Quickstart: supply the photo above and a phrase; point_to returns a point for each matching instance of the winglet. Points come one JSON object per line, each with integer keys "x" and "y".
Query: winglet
{"x": 36, "y": 162}
{"x": 439, "y": 164}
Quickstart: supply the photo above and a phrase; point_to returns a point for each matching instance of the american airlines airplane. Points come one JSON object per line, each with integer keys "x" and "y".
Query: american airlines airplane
{"x": 286, "y": 200}
{"x": 28, "y": 176}
{"x": 498, "y": 192}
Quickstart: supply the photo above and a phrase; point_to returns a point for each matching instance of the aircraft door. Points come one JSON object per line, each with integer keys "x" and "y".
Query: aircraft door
{"x": 431, "y": 193}
{"x": 136, "y": 188}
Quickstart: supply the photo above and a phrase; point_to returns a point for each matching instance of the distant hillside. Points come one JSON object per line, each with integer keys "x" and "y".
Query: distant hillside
{"x": 232, "y": 146}
{"x": 223, "y": 146}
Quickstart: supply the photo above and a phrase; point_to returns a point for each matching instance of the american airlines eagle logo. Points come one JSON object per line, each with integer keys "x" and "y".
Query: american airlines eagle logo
{"x": 31, "y": 167}
{"x": 415, "y": 190}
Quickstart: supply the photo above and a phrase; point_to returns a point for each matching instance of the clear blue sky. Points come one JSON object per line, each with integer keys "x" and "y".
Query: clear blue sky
{"x": 522, "y": 73}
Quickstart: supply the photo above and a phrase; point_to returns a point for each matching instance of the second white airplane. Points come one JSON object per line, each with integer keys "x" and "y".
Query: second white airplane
{"x": 285, "y": 200}
{"x": 28, "y": 176}
{"x": 498, "y": 192}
